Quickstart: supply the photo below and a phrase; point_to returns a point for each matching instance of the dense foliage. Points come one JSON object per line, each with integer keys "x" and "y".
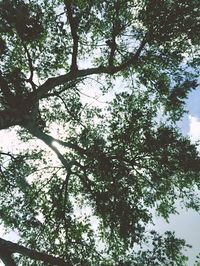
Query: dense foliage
{"x": 116, "y": 162}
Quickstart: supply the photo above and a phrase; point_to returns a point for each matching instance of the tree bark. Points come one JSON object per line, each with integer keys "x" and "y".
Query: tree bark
{"x": 48, "y": 140}
{"x": 11, "y": 117}
{"x": 6, "y": 258}
{"x": 8, "y": 248}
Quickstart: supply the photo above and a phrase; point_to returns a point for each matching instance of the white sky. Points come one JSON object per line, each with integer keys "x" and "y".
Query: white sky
{"x": 194, "y": 128}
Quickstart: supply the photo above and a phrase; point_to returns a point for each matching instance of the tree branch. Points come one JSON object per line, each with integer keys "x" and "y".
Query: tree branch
{"x": 7, "y": 154}
{"x": 69, "y": 112}
{"x": 132, "y": 60}
{"x": 7, "y": 247}
{"x": 73, "y": 22}
{"x": 7, "y": 258}
{"x": 8, "y": 96}
{"x": 115, "y": 31}
{"x": 75, "y": 147}
{"x": 12, "y": 117}
{"x": 30, "y": 63}
{"x": 69, "y": 85}
{"x": 48, "y": 140}
{"x": 51, "y": 83}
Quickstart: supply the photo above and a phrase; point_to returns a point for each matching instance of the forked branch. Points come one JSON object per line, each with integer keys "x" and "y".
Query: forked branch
{"x": 51, "y": 83}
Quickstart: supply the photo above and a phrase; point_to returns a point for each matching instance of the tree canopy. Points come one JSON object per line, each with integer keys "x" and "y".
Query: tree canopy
{"x": 117, "y": 162}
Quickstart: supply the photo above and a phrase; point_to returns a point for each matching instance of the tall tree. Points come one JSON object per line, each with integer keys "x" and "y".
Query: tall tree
{"x": 92, "y": 204}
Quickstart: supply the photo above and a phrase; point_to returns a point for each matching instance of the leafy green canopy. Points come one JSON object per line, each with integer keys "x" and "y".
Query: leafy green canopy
{"x": 92, "y": 204}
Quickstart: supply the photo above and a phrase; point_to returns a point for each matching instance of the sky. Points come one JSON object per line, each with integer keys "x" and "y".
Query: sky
{"x": 187, "y": 223}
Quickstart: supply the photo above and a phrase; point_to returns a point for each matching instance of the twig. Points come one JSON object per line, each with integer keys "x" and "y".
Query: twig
{"x": 8, "y": 154}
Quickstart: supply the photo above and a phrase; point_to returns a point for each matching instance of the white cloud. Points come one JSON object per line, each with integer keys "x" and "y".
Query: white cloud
{"x": 194, "y": 128}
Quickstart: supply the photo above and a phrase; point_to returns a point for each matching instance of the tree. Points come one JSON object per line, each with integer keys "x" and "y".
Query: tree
{"x": 116, "y": 164}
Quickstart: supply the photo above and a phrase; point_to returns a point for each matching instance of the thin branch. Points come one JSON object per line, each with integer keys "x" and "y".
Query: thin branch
{"x": 30, "y": 63}
{"x": 92, "y": 97}
{"x": 50, "y": 168}
{"x": 97, "y": 81}
{"x": 69, "y": 112}
{"x": 59, "y": 15}
{"x": 48, "y": 140}
{"x": 145, "y": 178}
{"x": 7, "y": 154}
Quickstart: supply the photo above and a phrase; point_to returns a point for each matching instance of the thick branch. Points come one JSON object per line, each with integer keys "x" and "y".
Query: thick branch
{"x": 73, "y": 22}
{"x": 29, "y": 61}
{"x": 48, "y": 140}
{"x": 14, "y": 117}
{"x": 8, "y": 96}
{"x": 115, "y": 31}
{"x": 7, "y": 247}
{"x": 51, "y": 83}
{"x": 7, "y": 258}
{"x": 11, "y": 117}
{"x": 113, "y": 46}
